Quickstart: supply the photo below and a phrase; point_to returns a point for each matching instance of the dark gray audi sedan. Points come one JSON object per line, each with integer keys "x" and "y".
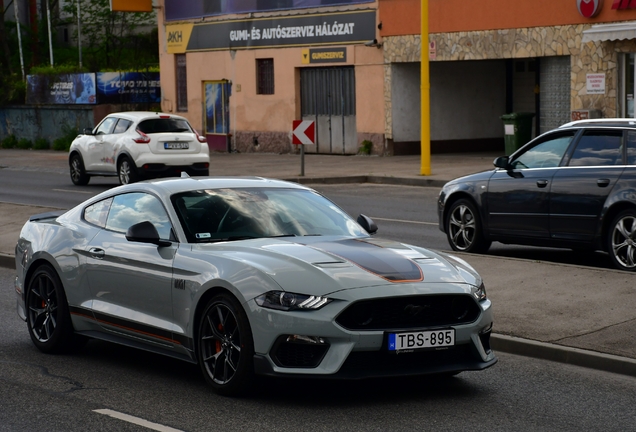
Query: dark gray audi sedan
{"x": 573, "y": 187}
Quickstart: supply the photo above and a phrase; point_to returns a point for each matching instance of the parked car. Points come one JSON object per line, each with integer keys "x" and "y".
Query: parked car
{"x": 248, "y": 276}
{"x": 573, "y": 187}
{"x": 136, "y": 146}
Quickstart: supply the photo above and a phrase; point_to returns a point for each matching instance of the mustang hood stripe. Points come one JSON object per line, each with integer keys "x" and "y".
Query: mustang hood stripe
{"x": 374, "y": 258}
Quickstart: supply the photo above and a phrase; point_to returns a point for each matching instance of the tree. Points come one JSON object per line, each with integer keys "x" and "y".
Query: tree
{"x": 115, "y": 40}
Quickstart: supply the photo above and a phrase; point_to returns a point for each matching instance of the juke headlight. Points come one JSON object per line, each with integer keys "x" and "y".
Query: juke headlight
{"x": 287, "y": 301}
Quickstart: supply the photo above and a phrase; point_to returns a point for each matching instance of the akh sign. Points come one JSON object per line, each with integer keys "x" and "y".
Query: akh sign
{"x": 589, "y": 8}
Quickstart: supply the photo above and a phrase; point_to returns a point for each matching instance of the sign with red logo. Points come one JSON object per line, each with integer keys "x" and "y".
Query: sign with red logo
{"x": 590, "y": 8}
{"x": 303, "y": 132}
{"x": 624, "y": 4}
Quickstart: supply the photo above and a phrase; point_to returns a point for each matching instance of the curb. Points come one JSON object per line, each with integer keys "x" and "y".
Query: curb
{"x": 7, "y": 261}
{"x": 563, "y": 354}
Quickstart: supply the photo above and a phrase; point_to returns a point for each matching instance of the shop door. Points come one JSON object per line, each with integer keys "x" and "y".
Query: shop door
{"x": 328, "y": 97}
{"x": 217, "y": 114}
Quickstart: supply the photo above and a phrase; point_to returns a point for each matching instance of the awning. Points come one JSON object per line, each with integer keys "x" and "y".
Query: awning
{"x": 610, "y": 32}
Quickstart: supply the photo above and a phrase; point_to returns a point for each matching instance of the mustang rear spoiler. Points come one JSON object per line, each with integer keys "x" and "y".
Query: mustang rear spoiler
{"x": 47, "y": 215}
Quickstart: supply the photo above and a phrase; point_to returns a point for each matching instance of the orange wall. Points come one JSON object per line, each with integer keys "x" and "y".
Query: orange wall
{"x": 402, "y": 17}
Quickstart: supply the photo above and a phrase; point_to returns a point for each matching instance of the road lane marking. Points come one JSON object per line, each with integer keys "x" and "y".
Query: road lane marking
{"x": 75, "y": 191}
{"x": 136, "y": 420}
{"x": 404, "y": 221}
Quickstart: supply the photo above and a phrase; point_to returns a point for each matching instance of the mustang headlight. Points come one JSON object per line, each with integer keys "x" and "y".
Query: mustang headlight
{"x": 287, "y": 301}
{"x": 480, "y": 292}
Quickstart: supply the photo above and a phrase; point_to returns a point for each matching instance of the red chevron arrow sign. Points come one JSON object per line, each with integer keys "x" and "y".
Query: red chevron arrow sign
{"x": 303, "y": 132}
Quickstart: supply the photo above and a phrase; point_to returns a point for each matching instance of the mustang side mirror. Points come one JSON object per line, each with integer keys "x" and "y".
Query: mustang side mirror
{"x": 502, "y": 162}
{"x": 367, "y": 223}
{"x": 145, "y": 232}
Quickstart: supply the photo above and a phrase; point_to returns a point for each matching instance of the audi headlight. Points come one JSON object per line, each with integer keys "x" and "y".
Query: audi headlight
{"x": 480, "y": 292}
{"x": 287, "y": 301}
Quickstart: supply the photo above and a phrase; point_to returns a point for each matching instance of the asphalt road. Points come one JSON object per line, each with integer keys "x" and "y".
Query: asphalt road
{"x": 40, "y": 392}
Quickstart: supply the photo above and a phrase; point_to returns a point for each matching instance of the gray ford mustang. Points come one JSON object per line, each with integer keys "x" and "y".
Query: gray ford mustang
{"x": 248, "y": 276}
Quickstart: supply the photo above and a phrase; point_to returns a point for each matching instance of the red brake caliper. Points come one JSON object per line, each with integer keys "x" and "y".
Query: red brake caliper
{"x": 218, "y": 343}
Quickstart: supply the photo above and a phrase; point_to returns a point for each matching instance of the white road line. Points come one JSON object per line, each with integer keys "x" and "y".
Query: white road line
{"x": 404, "y": 221}
{"x": 136, "y": 420}
{"x": 75, "y": 191}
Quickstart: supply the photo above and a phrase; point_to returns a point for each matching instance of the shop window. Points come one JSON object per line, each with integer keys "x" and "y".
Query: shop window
{"x": 265, "y": 76}
{"x": 182, "y": 82}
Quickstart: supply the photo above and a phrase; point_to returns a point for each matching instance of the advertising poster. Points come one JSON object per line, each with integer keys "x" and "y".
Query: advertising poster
{"x": 63, "y": 89}
{"x": 128, "y": 87}
{"x": 217, "y": 119}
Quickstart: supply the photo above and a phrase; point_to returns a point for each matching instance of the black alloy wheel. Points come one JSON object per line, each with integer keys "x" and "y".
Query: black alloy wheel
{"x": 48, "y": 318}
{"x": 225, "y": 346}
{"x": 621, "y": 241}
{"x": 127, "y": 171}
{"x": 78, "y": 173}
{"x": 463, "y": 228}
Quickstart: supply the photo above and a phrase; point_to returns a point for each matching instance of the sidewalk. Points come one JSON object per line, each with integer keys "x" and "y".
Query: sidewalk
{"x": 566, "y": 313}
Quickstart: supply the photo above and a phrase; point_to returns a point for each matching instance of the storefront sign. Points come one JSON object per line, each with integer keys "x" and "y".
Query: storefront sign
{"x": 432, "y": 50}
{"x": 589, "y": 8}
{"x": 335, "y": 28}
{"x": 64, "y": 89}
{"x": 624, "y": 4}
{"x": 596, "y": 83}
{"x": 324, "y": 55}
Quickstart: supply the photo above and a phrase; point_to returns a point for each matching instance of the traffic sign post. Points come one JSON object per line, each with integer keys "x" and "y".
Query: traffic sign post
{"x": 303, "y": 133}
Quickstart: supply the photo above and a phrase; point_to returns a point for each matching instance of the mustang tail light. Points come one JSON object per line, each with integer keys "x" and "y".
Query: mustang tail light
{"x": 143, "y": 138}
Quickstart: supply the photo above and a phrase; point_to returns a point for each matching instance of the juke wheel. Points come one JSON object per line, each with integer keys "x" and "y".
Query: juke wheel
{"x": 621, "y": 240}
{"x": 78, "y": 173}
{"x": 127, "y": 171}
{"x": 48, "y": 318}
{"x": 463, "y": 228}
{"x": 225, "y": 346}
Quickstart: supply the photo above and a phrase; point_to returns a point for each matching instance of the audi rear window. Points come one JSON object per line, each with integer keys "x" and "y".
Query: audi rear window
{"x": 161, "y": 125}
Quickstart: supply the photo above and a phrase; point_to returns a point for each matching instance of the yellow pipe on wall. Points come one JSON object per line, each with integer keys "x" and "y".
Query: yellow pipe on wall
{"x": 425, "y": 90}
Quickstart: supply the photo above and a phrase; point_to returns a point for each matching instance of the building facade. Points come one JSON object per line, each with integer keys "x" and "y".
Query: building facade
{"x": 241, "y": 71}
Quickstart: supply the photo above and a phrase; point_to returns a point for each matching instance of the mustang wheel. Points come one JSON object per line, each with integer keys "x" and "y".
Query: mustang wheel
{"x": 127, "y": 171}
{"x": 78, "y": 173}
{"x": 48, "y": 318}
{"x": 621, "y": 241}
{"x": 226, "y": 347}
{"x": 463, "y": 228}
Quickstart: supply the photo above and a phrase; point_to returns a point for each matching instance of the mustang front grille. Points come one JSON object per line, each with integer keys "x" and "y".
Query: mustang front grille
{"x": 410, "y": 312}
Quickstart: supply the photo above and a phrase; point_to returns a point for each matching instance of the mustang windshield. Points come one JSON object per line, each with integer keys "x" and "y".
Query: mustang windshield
{"x": 235, "y": 214}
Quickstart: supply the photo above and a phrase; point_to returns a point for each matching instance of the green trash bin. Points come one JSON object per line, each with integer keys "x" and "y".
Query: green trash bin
{"x": 517, "y": 130}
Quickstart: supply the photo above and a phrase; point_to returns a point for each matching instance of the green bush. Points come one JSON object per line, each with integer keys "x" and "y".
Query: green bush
{"x": 41, "y": 144}
{"x": 63, "y": 143}
{"x": 10, "y": 142}
{"x": 24, "y": 143}
{"x": 365, "y": 147}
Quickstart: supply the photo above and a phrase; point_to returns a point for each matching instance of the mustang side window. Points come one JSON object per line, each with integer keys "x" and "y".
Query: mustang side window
{"x": 598, "y": 148}
{"x": 97, "y": 213}
{"x": 547, "y": 154}
{"x": 132, "y": 208}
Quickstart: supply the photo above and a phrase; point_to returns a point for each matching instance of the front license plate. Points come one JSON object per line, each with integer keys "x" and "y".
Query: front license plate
{"x": 421, "y": 340}
{"x": 175, "y": 145}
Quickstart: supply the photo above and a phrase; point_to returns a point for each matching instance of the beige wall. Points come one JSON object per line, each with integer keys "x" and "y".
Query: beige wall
{"x": 270, "y": 116}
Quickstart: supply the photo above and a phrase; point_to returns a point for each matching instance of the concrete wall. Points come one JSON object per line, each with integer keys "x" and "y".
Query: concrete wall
{"x": 48, "y": 122}
{"x": 467, "y": 99}
{"x": 405, "y": 90}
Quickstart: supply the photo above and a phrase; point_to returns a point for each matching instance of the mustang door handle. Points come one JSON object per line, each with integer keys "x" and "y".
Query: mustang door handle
{"x": 97, "y": 253}
{"x": 542, "y": 183}
{"x": 602, "y": 182}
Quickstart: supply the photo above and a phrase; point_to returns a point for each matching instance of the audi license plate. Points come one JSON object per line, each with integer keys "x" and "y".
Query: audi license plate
{"x": 176, "y": 145}
{"x": 422, "y": 339}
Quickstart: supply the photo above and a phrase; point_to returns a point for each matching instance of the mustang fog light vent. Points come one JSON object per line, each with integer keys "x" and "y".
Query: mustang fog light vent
{"x": 484, "y": 337}
{"x": 287, "y": 301}
{"x": 299, "y": 351}
{"x": 306, "y": 339}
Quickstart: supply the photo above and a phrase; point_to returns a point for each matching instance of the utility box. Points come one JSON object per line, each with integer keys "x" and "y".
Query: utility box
{"x": 517, "y": 130}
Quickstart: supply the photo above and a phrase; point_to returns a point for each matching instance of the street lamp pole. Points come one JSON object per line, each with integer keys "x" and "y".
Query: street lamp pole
{"x": 79, "y": 33}
{"x": 425, "y": 90}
